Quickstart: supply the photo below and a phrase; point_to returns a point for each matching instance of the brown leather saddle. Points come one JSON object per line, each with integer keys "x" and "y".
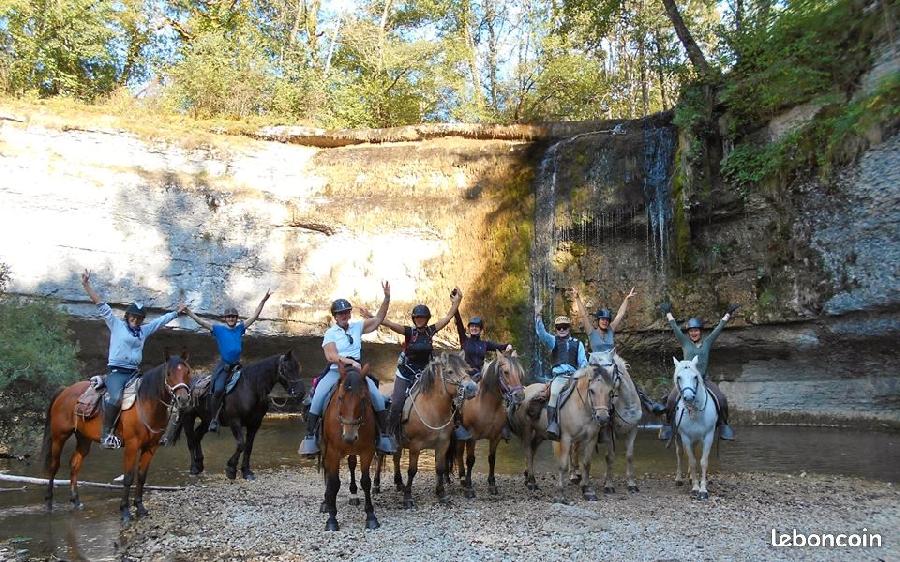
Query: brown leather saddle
{"x": 88, "y": 404}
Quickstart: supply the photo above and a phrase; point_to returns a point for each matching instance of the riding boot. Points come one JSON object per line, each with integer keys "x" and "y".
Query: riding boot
{"x": 215, "y": 404}
{"x": 459, "y": 430}
{"x": 310, "y": 444}
{"x": 725, "y": 431}
{"x": 110, "y": 415}
{"x": 552, "y": 424}
{"x": 387, "y": 444}
{"x": 654, "y": 407}
{"x": 665, "y": 432}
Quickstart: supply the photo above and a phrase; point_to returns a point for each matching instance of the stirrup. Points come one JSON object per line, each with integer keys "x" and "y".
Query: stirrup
{"x": 213, "y": 425}
{"x": 726, "y": 433}
{"x": 111, "y": 441}
{"x": 309, "y": 446}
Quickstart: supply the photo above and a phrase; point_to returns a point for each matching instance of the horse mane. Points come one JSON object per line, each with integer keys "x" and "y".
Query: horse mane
{"x": 491, "y": 379}
{"x": 153, "y": 382}
{"x": 429, "y": 376}
{"x": 353, "y": 381}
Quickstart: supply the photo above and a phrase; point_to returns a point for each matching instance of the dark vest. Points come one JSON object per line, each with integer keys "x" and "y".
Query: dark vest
{"x": 565, "y": 351}
{"x": 419, "y": 348}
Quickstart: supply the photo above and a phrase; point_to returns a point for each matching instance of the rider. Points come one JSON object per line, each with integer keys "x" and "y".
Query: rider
{"x": 693, "y": 346}
{"x": 342, "y": 343}
{"x": 567, "y": 354}
{"x": 601, "y": 336}
{"x": 228, "y": 340}
{"x": 417, "y": 351}
{"x": 126, "y": 351}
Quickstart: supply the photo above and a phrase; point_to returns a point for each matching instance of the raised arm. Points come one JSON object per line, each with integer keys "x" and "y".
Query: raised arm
{"x": 460, "y": 328}
{"x": 667, "y": 309}
{"x": 394, "y": 327}
{"x": 86, "y": 283}
{"x": 371, "y": 324}
{"x": 158, "y": 323}
{"x": 258, "y": 310}
{"x": 582, "y": 311}
{"x": 721, "y": 326}
{"x": 454, "y": 306}
{"x": 200, "y": 321}
{"x": 546, "y": 338}
{"x": 620, "y": 315}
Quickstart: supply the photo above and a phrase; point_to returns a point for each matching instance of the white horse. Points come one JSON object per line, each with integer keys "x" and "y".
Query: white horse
{"x": 625, "y": 417}
{"x": 695, "y": 421}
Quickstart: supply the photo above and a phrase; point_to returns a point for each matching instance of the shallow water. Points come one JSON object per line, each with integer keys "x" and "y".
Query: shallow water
{"x": 92, "y": 534}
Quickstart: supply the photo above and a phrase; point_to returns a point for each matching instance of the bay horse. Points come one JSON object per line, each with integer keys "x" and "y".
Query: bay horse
{"x": 626, "y": 415}
{"x": 349, "y": 430}
{"x": 695, "y": 422}
{"x": 436, "y": 395}
{"x": 243, "y": 408}
{"x": 141, "y": 428}
{"x": 486, "y": 414}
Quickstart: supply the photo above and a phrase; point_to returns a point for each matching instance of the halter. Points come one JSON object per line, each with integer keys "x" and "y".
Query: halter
{"x": 170, "y": 406}
{"x": 613, "y": 392}
{"x": 357, "y": 421}
{"x": 691, "y": 406}
{"x": 458, "y": 399}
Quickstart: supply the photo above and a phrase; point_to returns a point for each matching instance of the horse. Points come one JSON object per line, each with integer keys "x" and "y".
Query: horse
{"x": 244, "y": 407}
{"x": 141, "y": 427}
{"x": 626, "y": 415}
{"x": 695, "y": 421}
{"x": 436, "y": 395}
{"x": 486, "y": 414}
{"x": 348, "y": 429}
{"x": 529, "y": 422}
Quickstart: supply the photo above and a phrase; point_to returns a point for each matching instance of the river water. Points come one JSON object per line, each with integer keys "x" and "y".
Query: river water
{"x": 92, "y": 534}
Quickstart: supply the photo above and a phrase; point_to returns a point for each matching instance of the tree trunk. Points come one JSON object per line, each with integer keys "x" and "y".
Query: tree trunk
{"x": 687, "y": 40}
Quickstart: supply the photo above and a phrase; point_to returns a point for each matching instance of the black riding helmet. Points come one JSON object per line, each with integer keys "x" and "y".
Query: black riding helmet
{"x": 136, "y": 309}
{"x": 476, "y": 321}
{"x": 603, "y": 313}
{"x": 340, "y": 305}
{"x": 421, "y": 310}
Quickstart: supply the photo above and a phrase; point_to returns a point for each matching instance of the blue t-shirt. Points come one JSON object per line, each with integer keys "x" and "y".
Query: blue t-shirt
{"x": 229, "y": 341}
{"x": 349, "y": 343}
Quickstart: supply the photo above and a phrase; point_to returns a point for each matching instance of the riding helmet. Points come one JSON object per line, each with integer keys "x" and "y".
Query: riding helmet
{"x": 421, "y": 310}
{"x": 230, "y": 311}
{"x": 136, "y": 309}
{"x": 694, "y": 323}
{"x": 603, "y": 313}
{"x": 476, "y": 321}
{"x": 340, "y": 305}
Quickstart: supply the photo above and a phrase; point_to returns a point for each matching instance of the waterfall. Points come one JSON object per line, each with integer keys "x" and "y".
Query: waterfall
{"x": 659, "y": 144}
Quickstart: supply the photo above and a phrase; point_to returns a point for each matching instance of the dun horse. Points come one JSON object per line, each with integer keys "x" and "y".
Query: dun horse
{"x": 485, "y": 414}
{"x": 439, "y": 391}
{"x": 244, "y": 407}
{"x": 348, "y": 429}
{"x": 626, "y": 408}
{"x": 141, "y": 427}
{"x": 695, "y": 422}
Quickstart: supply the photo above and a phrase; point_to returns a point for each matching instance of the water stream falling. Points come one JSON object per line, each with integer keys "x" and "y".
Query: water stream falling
{"x": 659, "y": 145}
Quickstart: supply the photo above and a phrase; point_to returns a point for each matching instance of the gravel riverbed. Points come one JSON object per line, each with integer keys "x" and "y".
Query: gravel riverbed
{"x": 276, "y": 517}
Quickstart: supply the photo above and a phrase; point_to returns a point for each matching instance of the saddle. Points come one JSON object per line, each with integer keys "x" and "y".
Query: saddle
{"x": 88, "y": 404}
{"x": 201, "y": 386}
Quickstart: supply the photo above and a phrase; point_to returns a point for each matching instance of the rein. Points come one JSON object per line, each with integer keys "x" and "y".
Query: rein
{"x": 170, "y": 406}
{"x": 458, "y": 399}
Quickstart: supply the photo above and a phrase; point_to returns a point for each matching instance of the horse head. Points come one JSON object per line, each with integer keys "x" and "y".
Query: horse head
{"x": 603, "y": 385}
{"x": 289, "y": 374}
{"x": 454, "y": 372}
{"x": 688, "y": 379}
{"x": 178, "y": 379}
{"x": 510, "y": 374}
{"x": 352, "y": 396}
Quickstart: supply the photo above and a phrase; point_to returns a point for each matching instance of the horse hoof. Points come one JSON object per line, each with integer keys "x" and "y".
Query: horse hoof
{"x": 323, "y": 507}
{"x": 609, "y": 490}
{"x": 372, "y": 523}
{"x": 76, "y": 505}
{"x": 399, "y": 487}
{"x": 469, "y": 494}
{"x": 633, "y": 489}
{"x": 195, "y": 471}
{"x": 702, "y": 495}
{"x": 694, "y": 494}
{"x": 376, "y": 489}
{"x": 142, "y": 512}
{"x": 562, "y": 501}
{"x": 493, "y": 490}
{"x": 354, "y": 501}
{"x": 248, "y": 475}
{"x": 126, "y": 516}
{"x": 590, "y": 496}
{"x": 408, "y": 504}
{"x": 445, "y": 500}
{"x": 230, "y": 473}
{"x": 679, "y": 483}
{"x": 576, "y": 479}
{"x": 332, "y": 524}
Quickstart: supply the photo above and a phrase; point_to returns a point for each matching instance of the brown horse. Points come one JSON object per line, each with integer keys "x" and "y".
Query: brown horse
{"x": 485, "y": 415}
{"x": 348, "y": 428}
{"x": 436, "y": 395}
{"x": 141, "y": 427}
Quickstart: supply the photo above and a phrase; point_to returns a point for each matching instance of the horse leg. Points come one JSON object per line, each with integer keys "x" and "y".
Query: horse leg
{"x": 460, "y": 465}
{"x": 574, "y": 464}
{"x": 678, "y": 476}
{"x": 530, "y": 442}
{"x": 629, "y": 460}
{"x": 238, "y": 432}
{"x": 408, "y": 502}
{"x": 440, "y": 465}
{"x": 469, "y": 490}
{"x": 379, "y": 464}
{"x": 702, "y": 493}
{"x": 398, "y": 478}
{"x": 587, "y": 489}
{"x": 332, "y": 485}
{"x": 252, "y": 428}
{"x": 143, "y": 467}
{"x": 563, "y": 450}
{"x": 82, "y": 448}
{"x": 692, "y": 465}
{"x": 365, "y": 480}
{"x": 351, "y": 463}
{"x": 130, "y": 467}
{"x": 492, "y": 464}
{"x": 54, "y": 450}
{"x": 608, "y": 488}
{"x": 193, "y": 444}
{"x": 200, "y": 431}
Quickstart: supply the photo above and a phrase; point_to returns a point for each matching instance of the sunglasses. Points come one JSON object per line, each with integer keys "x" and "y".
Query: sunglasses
{"x": 562, "y": 328}
{"x": 349, "y": 337}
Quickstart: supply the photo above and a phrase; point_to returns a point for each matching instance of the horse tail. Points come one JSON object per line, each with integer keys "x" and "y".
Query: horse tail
{"x": 47, "y": 441}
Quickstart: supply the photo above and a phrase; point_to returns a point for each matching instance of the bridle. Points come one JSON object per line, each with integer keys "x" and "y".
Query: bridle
{"x": 458, "y": 396}
{"x": 599, "y": 369}
{"x": 171, "y": 407}
{"x": 692, "y": 406}
{"x": 506, "y": 389}
{"x": 356, "y": 422}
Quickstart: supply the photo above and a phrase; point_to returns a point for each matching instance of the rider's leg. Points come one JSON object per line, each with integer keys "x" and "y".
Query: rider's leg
{"x": 665, "y": 432}
{"x": 398, "y": 399}
{"x": 386, "y": 442}
{"x": 310, "y": 444}
{"x": 216, "y": 393}
{"x": 556, "y": 387}
{"x": 112, "y": 402}
{"x": 725, "y": 431}
{"x": 653, "y": 407}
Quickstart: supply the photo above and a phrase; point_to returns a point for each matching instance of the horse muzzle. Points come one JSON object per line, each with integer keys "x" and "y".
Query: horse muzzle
{"x": 350, "y": 434}
{"x": 471, "y": 389}
{"x": 600, "y": 418}
{"x": 689, "y": 395}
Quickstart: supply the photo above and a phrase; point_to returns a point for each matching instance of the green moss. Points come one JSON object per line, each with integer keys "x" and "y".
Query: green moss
{"x": 680, "y": 221}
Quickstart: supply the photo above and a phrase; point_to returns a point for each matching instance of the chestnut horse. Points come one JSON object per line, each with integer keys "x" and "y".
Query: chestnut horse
{"x": 485, "y": 414}
{"x": 141, "y": 427}
{"x": 348, "y": 430}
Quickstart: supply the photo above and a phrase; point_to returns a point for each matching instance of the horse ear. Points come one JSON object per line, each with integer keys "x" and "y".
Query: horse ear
{"x": 443, "y": 359}
{"x": 675, "y": 360}
{"x": 185, "y": 355}
{"x": 365, "y": 369}
{"x": 289, "y": 355}
{"x": 514, "y": 353}
{"x": 695, "y": 360}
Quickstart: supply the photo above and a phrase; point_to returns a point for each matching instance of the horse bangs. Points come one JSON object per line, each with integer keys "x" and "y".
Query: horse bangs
{"x": 426, "y": 378}
{"x": 354, "y": 382}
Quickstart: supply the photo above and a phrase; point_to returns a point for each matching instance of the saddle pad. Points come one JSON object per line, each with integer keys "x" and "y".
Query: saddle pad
{"x": 235, "y": 377}
{"x": 130, "y": 393}
{"x": 88, "y": 404}
{"x": 565, "y": 393}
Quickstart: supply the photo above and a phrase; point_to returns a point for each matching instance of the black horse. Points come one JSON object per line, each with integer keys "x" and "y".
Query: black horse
{"x": 244, "y": 407}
